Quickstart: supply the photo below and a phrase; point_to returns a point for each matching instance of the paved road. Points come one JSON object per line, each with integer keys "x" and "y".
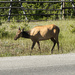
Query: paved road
{"x": 62, "y": 64}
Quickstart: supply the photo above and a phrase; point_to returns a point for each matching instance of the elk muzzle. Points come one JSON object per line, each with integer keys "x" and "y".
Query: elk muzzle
{"x": 16, "y": 37}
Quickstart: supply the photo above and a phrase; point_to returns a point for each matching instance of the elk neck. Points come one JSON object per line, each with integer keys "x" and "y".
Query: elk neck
{"x": 26, "y": 34}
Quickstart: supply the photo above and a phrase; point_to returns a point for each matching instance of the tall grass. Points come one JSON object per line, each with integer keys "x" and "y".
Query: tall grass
{"x": 10, "y": 47}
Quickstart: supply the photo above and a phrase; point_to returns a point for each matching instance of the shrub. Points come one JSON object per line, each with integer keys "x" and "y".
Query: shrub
{"x": 0, "y": 23}
{"x": 72, "y": 28}
{"x": 3, "y": 33}
{"x": 61, "y": 36}
{"x": 25, "y": 26}
{"x": 13, "y": 26}
{"x": 6, "y": 34}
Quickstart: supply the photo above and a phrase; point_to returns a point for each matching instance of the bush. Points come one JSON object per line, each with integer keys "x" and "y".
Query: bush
{"x": 3, "y": 33}
{"x": 25, "y": 26}
{"x": 0, "y": 23}
{"x": 13, "y": 26}
{"x": 72, "y": 28}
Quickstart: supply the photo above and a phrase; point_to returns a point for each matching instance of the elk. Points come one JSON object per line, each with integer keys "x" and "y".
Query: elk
{"x": 40, "y": 33}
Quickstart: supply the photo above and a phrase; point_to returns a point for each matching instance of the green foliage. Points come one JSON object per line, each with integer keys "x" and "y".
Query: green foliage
{"x": 25, "y": 26}
{"x": 72, "y": 28}
{"x": 3, "y": 33}
{"x": 13, "y": 26}
{"x": 61, "y": 36}
{"x": 7, "y": 31}
{"x": 47, "y": 6}
{"x": 0, "y": 23}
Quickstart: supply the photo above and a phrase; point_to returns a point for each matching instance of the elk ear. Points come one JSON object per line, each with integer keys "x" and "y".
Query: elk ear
{"x": 19, "y": 28}
{"x": 22, "y": 29}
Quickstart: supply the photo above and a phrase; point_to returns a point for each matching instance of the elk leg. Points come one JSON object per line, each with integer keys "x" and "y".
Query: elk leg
{"x": 57, "y": 43}
{"x": 39, "y": 46}
{"x": 32, "y": 47}
{"x": 54, "y": 41}
{"x": 58, "y": 46}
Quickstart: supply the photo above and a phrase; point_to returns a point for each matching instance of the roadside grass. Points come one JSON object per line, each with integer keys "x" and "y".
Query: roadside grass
{"x": 22, "y": 47}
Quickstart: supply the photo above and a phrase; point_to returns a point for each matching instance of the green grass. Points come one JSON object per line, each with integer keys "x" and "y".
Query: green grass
{"x": 22, "y": 47}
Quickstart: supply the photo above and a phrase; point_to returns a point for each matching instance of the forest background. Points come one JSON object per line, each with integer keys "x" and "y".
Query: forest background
{"x": 69, "y": 13}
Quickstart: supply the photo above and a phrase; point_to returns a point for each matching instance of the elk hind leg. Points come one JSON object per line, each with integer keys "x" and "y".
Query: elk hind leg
{"x": 57, "y": 43}
{"x": 54, "y": 41}
{"x": 39, "y": 46}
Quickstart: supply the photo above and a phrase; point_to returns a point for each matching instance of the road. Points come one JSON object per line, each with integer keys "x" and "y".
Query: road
{"x": 62, "y": 64}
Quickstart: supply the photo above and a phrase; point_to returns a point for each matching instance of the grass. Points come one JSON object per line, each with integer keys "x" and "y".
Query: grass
{"x": 22, "y": 47}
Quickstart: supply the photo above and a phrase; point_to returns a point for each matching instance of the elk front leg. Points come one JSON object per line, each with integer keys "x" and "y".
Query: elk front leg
{"x": 32, "y": 47}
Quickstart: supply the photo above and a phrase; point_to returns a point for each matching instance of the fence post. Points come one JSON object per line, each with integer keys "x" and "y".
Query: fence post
{"x": 73, "y": 6}
{"x": 23, "y": 11}
{"x": 63, "y": 9}
{"x": 72, "y": 3}
{"x": 9, "y": 11}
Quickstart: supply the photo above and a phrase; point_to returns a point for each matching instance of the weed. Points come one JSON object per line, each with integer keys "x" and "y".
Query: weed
{"x": 0, "y": 23}
{"x": 3, "y": 33}
{"x": 13, "y": 26}
{"x": 25, "y": 26}
{"x": 72, "y": 28}
{"x": 6, "y": 34}
{"x": 61, "y": 36}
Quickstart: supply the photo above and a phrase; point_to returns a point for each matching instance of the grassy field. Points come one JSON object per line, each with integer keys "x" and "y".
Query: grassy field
{"x": 10, "y": 47}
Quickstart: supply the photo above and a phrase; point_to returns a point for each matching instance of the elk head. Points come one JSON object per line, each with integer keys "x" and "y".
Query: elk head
{"x": 18, "y": 34}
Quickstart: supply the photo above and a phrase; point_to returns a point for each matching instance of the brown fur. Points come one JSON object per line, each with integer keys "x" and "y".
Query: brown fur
{"x": 40, "y": 33}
